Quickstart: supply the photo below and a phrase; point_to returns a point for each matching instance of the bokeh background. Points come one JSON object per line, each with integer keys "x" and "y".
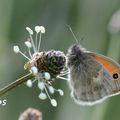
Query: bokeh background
{"x": 94, "y": 20}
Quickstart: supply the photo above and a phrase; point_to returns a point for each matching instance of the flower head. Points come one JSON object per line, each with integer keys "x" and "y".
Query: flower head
{"x": 45, "y": 66}
{"x": 31, "y": 114}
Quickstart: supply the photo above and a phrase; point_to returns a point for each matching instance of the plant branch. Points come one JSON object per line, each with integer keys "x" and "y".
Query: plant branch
{"x": 15, "y": 84}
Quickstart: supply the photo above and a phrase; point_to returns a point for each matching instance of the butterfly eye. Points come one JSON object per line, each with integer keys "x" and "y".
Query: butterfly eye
{"x": 115, "y": 75}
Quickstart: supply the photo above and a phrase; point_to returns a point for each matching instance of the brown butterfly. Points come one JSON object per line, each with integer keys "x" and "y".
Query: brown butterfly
{"x": 93, "y": 77}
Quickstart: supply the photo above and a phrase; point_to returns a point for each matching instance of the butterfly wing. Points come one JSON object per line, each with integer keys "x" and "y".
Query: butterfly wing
{"x": 106, "y": 84}
{"x": 112, "y": 67}
{"x": 93, "y": 77}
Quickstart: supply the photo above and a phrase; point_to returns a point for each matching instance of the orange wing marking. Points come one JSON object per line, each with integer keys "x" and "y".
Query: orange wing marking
{"x": 110, "y": 67}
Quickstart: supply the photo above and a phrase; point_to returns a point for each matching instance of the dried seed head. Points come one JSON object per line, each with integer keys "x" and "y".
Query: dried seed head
{"x": 31, "y": 114}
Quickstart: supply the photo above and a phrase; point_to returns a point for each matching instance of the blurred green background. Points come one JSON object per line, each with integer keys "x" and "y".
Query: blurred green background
{"x": 89, "y": 19}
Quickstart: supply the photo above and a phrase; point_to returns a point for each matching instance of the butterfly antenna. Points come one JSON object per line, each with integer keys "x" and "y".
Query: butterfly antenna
{"x": 72, "y": 33}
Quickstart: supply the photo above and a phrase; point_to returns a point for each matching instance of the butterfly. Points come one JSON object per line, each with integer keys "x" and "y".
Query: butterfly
{"x": 93, "y": 77}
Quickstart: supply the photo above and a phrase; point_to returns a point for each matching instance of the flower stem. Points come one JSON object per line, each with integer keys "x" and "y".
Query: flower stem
{"x": 14, "y": 84}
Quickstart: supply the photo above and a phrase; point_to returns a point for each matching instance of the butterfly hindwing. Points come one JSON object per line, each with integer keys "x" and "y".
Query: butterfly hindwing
{"x": 113, "y": 69}
{"x": 95, "y": 91}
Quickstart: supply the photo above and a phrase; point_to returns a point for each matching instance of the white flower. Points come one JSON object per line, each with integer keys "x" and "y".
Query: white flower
{"x": 42, "y": 96}
{"x": 44, "y": 79}
{"x": 37, "y": 29}
{"x": 41, "y": 85}
{"x": 28, "y": 44}
{"x": 47, "y": 75}
{"x": 34, "y": 70}
{"x": 53, "y": 102}
{"x": 61, "y": 92}
{"x": 42, "y": 29}
{"x": 29, "y": 83}
{"x": 16, "y": 49}
{"x": 29, "y": 30}
{"x": 51, "y": 90}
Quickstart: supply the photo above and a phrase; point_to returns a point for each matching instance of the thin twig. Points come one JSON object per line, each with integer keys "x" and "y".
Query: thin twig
{"x": 15, "y": 84}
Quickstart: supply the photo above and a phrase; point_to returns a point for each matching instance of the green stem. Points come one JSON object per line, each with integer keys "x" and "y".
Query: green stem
{"x": 15, "y": 84}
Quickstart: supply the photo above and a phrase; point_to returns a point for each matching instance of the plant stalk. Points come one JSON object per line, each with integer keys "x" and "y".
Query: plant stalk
{"x": 16, "y": 83}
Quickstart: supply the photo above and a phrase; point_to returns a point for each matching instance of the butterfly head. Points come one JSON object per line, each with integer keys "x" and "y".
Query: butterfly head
{"x": 75, "y": 55}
